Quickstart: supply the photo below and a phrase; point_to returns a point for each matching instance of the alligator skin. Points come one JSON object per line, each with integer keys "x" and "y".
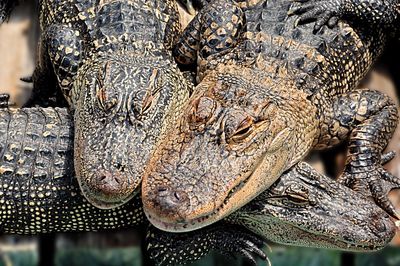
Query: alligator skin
{"x": 269, "y": 92}
{"x": 112, "y": 61}
{"x": 39, "y": 194}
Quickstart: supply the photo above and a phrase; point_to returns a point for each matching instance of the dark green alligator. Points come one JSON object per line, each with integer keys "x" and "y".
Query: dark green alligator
{"x": 112, "y": 61}
{"x": 39, "y": 194}
{"x": 269, "y": 92}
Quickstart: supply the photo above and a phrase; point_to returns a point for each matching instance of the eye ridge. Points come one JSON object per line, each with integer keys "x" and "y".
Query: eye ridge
{"x": 152, "y": 92}
{"x": 104, "y": 103}
{"x": 202, "y": 110}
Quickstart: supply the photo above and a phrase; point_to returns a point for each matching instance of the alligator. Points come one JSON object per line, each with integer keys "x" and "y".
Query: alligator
{"x": 270, "y": 90}
{"x": 40, "y": 194}
{"x": 112, "y": 61}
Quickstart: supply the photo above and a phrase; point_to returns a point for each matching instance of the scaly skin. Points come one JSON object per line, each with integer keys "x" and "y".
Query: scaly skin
{"x": 376, "y": 13}
{"x": 303, "y": 208}
{"x": 269, "y": 93}
{"x": 38, "y": 194}
{"x": 112, "y": 61}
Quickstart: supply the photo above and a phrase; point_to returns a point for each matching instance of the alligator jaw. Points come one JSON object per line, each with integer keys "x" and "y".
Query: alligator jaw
{"x": 103, "y": 204}
{"x": 199, "y": 222}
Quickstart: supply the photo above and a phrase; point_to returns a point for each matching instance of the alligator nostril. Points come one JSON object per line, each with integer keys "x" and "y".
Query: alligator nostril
{"x": 180, "y": 196}
{"x": 177, "y": 197}
{"x": 167, "y": 198}
{"x": 109, "y": 183}
{"x": 379, "y": 225}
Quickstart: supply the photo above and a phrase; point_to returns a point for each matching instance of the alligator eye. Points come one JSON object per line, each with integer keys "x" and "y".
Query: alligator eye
{"x": 106, "y": 100}
{"x": 297, "y": 194}
{"x": 244, "y": 130}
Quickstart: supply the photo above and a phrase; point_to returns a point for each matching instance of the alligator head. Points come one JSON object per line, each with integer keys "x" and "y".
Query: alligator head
{"x": 305, "y": 208}
{"x": 236, "y": 135}
{"x": 122, "y": 103}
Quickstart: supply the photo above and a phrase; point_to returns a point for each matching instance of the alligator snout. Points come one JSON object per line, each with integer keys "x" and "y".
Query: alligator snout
{"x": 108, "y": 188}
{"x": 167, "y": 203}
{"x": 168, "y": 198}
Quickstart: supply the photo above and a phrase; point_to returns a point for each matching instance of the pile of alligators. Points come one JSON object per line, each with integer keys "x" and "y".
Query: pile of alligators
{"x": 116, "y": 135}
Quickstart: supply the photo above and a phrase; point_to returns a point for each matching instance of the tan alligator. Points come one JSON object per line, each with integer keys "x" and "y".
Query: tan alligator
{"x": 269, "y": 92}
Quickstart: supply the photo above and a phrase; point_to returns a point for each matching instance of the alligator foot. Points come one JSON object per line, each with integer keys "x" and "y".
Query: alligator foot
{"x": 324, "y": 12}
{"x": 376, "y": 182}
{"x": 27, "y": 79}
{"x": 166, "y": 248}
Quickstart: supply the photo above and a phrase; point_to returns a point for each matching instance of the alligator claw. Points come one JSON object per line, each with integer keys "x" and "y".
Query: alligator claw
{"x": 387, "y": 157}
{"x": 5, "y": 100}
{"x": 27, "y": 79}
{"x": 323, "y": 12}
{"x": 376, "y": 183}
{"x": 245, "y": 243}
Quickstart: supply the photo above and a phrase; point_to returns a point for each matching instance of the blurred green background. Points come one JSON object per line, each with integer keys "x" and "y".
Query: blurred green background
{"x": 280, "y": 256}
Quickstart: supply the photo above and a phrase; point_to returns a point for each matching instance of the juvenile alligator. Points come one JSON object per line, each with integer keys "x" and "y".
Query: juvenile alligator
{"x": 269, "y": 92}
{"x": 112, "y": 61}
{"x": 39, "y": 194}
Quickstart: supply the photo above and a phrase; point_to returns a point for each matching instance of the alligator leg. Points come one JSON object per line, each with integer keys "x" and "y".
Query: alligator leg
{"x": 375, "y": 13}
{"x": 213, "y": 31}
{"x": 60, "y": 55}
{"x": 167, "y": 248}
{"x": 369, "y": 118}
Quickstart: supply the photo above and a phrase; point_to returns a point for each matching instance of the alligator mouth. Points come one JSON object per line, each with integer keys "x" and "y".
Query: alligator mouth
{"x": 200, "y": 221}
{"x": 104, "y": 204}
{"x": 339, "y": 244}
{"x": 342, "y": 244}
